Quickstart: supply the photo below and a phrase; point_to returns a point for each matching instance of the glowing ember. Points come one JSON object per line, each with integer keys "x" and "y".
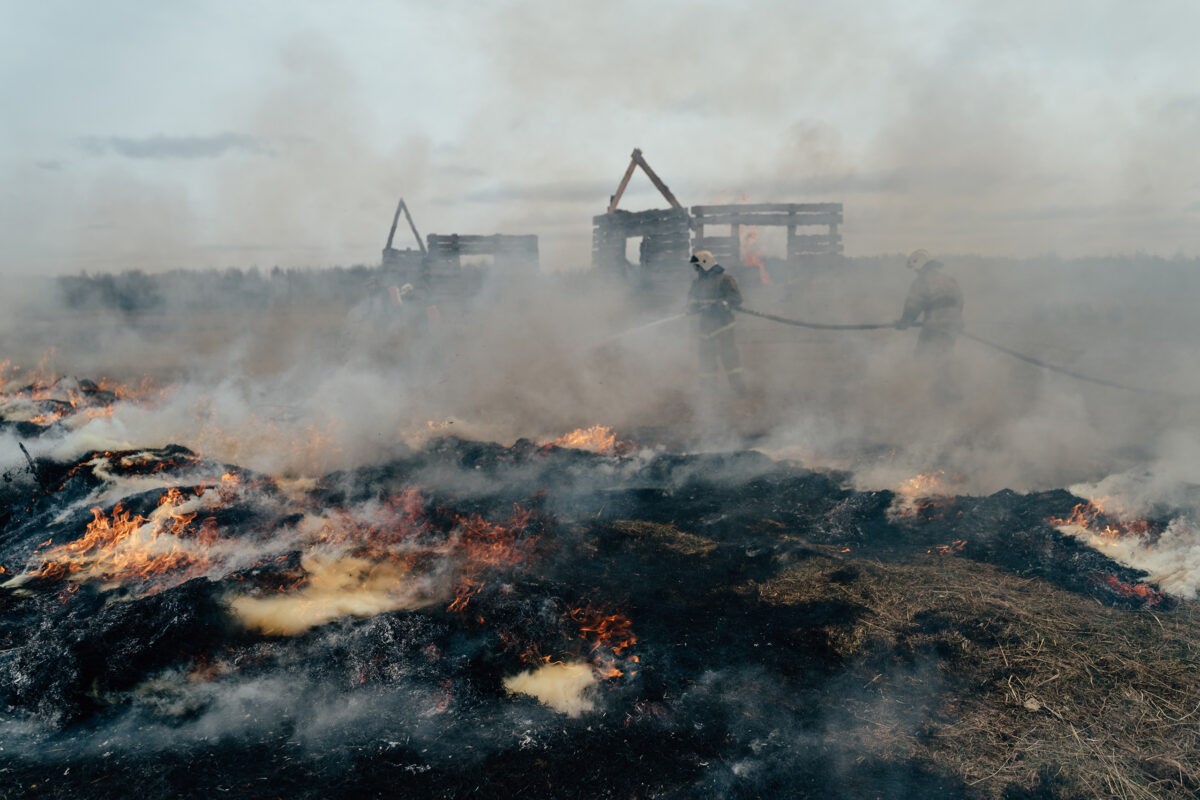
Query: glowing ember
{"x": 482, "y": 547}
{"x": 609, "y": 635}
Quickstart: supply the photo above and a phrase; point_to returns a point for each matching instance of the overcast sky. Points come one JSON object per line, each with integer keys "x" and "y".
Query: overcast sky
{"x": 155, "y": 135}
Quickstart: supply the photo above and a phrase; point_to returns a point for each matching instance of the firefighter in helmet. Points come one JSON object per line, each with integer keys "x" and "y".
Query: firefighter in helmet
{"x": 713, "y": 296}
{"x": 935, "y": 303}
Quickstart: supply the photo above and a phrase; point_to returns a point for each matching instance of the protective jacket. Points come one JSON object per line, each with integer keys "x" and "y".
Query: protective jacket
{"x": 936, "y": 296}
{"x": 714, "y": 295}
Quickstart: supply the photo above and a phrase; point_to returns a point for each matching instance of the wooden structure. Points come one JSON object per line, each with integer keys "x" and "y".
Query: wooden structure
{"x": 437, "y": 269}
{"x": 448, "y": 275}
{"x": 407, "y": 265}
{"x": 804, "y": 245}
{"x": 665, "y": 237}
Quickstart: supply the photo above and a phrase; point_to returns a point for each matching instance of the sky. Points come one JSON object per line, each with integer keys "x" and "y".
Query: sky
{"x": 155, "y": 136}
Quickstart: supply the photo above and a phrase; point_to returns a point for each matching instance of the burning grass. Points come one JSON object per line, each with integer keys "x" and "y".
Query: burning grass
{"x": 719, "y": 637}
{"x": 1035, "y": 687}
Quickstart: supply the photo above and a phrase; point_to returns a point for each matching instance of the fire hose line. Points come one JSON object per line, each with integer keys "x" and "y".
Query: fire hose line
{"x": 815, "y": 325}
{"x": 998, "y": 347}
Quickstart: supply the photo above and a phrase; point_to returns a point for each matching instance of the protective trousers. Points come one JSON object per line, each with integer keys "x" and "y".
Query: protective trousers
{"x": 719, "y": 349}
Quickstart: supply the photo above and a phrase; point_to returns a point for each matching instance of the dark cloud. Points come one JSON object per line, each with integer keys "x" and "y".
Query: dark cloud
{"x": 174, "y": 147}
{"x": 50, "y": 165}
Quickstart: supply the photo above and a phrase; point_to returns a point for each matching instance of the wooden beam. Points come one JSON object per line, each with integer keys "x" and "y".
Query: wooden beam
{"x": 779, "y": 208}
{"x": 782, "y": 220}
{"x": 395, "y": 219}
{"x": 658, "y": 184}
{"x": 411, "y": 225}
{"x": 616, "y": 198}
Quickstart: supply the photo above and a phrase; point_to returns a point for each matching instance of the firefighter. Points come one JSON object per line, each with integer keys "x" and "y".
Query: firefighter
{"x": 935, "y": 303}
{"x": 713, "y": 296}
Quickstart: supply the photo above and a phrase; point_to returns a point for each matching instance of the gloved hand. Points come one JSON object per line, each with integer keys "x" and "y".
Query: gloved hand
{"x": 724, "y": 304}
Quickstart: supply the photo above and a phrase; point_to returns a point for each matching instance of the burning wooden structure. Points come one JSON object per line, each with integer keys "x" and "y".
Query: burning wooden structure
{"x": 804, "y": 247}
{"x": 668, "y": 235}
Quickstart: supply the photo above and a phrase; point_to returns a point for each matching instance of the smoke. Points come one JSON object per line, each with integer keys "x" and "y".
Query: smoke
{"x": 562, "y": 687}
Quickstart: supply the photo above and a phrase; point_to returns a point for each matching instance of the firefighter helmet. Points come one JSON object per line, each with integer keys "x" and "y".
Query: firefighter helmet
{"x": 918, "y": 259}
{"x": 703, "y": 260}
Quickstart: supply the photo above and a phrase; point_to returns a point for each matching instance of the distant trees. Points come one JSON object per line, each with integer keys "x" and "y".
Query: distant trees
{"x": 135, "y": 291}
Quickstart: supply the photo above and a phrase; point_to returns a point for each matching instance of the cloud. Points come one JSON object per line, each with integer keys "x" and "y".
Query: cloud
{"x": 159, "y": 146}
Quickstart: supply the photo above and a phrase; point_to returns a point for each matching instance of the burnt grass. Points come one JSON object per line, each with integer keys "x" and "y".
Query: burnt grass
{"x": 793, "y": 639}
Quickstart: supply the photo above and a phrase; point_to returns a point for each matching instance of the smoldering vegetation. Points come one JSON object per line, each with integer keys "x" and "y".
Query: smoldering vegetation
{"x": 836, "y": 586}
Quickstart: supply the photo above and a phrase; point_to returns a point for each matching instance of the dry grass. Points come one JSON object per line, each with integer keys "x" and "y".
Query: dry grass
{"x": 668, "y": 537}
{"x": 1043, "y": 685}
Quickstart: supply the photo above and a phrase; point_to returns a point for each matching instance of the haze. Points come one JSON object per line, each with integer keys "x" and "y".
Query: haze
{"x": 142, "y": 135}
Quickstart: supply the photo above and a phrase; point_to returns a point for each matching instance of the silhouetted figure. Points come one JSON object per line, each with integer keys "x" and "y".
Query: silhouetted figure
{"x": 713, "y": 296}
{"x": 935, "y": 303}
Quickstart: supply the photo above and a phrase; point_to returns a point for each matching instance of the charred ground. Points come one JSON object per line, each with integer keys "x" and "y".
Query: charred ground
{"x": 761, "y": 629}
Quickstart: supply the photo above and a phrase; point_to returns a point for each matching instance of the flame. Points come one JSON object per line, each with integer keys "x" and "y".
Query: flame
{"x": 387, "y": 556}
{"x": 957, "y": 546}
{"x": 609, "y": 635}
{"x": 126, "y": 548}
{"x": 482, "y": 547}
{"x": 1103, "y": 526}
{"x": 920, "y": 493}
{"x": 752, "y": 253}
{"x": 599, "y": 439}
{"x": 46, "y": 399}
{"x": 1135, "y": 591}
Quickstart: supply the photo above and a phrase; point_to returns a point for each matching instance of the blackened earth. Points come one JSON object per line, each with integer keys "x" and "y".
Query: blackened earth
{"x": 112, "y": 693}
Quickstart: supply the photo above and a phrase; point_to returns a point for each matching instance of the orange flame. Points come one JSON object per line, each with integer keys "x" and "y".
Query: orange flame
{"x": 599, "y": 439}
{"x": 957, "y": 546}
{"x": 920, "y": 493}
{"x": 609, "y": 635}
{"x": 126, "y": 547}
{"x": 484, "y": 546}
{"x": 752, "y": 253}
{"x": 1135, "y": 591}
{"x": 1091, "y": 517}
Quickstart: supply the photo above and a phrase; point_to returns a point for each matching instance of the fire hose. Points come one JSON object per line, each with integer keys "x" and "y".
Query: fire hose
{"x": 1037, "y": 362}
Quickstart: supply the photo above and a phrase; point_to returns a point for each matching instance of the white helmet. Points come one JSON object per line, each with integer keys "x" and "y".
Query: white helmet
{"x": 703, "y": 259}
{"x": 406, "y": 290}
{"x": 918, "y": 259}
